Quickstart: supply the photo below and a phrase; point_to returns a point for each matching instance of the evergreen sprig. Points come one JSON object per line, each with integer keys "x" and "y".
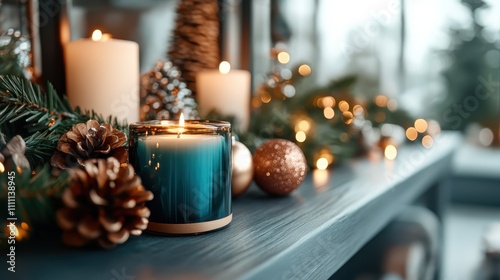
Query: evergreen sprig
{"x": 34, "y": 194}
{"x": 40, "y": 117}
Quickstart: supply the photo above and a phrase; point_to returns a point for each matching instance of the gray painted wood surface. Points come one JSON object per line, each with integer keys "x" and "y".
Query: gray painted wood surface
{"x": 308, "y": 235}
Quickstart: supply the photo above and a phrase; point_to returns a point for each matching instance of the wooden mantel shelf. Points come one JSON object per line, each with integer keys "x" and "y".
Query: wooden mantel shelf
{"x": 308, "y": 235}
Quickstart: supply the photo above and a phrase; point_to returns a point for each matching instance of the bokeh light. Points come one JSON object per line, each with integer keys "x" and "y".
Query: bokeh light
{"x": 347, "y": 117}
{"x": 427, "y": 141}
{"x": 300, "y": 136}
{"x": 322, "y": 163}
{"x": 390, "y": 152}
{"x": 392, "y": 105}
{"x": 304, "y": 70}
{"x": 411, "y": 134}
{"x": 283, "y": 57}
{"x": 485, "y": 136}
{"x": 381, "y": 100}
{"x": 343, "y": 106}
{"x": 303, "y": 125}
{"x": 329, "y": 113}
{"x": 328, "y": 101}
{"x": 420, "y": 125}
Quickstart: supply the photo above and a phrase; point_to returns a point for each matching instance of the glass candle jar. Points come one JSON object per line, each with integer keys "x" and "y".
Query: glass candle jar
{"x": 187, "y": 166}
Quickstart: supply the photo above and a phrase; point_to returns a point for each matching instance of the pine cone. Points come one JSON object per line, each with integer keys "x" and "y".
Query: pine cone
{"x": 105, "y": 201}
{"x": 87, "y": 141}
{"x": 164, "y": 96}
{"x": 195, "y": 41}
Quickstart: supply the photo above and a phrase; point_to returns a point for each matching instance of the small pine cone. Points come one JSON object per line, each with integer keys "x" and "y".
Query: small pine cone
{"x": 87, "y": 141}
{"x": 104, "y": 202}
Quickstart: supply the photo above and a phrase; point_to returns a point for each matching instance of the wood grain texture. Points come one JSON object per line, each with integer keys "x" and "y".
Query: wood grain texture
{"x": 308, "y": 235}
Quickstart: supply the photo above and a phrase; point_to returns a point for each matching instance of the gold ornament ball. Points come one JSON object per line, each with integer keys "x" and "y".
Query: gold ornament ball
{"x": 279, "y": 167}
{"x": 242, "y": 169}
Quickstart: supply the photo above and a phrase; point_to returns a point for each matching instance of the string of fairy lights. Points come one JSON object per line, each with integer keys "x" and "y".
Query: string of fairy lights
{"x": 353, "y": 116}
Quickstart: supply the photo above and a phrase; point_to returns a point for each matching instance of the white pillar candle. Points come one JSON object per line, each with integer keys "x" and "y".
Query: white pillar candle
{"x": 103, "y": 75}
{"x": 226, "y": 91}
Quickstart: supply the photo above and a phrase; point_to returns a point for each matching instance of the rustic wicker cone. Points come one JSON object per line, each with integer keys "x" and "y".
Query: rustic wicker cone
{"x": 105, "y": 202}
{"x": 195, "y": 43}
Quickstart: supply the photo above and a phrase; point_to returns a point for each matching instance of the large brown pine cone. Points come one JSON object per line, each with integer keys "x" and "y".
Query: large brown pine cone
{"x": 104, "y": 202}
{"x": 87, "y": 141}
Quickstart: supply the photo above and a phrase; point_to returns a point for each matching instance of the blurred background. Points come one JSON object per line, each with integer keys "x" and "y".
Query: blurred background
{"x": 438, "y": 59}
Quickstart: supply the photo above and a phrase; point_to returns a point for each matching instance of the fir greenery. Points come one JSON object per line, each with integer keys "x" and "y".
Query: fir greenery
{"x": 39, "y": 117}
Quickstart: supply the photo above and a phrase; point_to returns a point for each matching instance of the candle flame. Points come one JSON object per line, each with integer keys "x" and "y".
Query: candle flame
{"x": 96, "y": 35}
{"x": 224, "y": 67}
{"x": 181, "y": 125}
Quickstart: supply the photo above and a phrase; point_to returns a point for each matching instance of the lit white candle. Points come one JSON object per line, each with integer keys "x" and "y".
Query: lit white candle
{"x": 226, "y": 91}
{"x": 103, "y": 75}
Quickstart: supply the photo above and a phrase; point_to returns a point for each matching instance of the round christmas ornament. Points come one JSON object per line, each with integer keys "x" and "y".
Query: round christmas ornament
{"x": 164, "y": 95}
{"x": 279, "y": 166}
{"x": 87, "y": 141}
{"x": 242, "y": 169}
{"x": 104, "y": 202}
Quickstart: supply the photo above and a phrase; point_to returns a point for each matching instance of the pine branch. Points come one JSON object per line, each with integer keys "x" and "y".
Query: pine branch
{"x": 40, "y": 118}
{"x": 34, "y": 194}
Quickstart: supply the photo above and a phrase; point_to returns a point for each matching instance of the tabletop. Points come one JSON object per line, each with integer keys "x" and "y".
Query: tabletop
{"x": 307, "y": 235}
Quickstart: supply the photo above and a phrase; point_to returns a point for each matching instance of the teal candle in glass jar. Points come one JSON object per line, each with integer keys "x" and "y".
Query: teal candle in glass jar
{"x": 187, "y": 166}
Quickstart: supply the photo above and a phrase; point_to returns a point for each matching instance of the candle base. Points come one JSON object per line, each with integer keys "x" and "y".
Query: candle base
{"x": 192, "y": 228}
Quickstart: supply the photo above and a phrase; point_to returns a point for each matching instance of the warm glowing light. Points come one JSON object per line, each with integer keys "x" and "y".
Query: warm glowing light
{"x": 181, "y": 126}
{"x": 96, "y": 35}
{"x": 320, "y": 179}
{"x": 283, "y": 57}
{"x": 265, "y": 97}
{"x": 303, "y": 125}
{"x": 358, "y": 110}
{"x": 381, "y": 100}
{"x": 392, "y": 105}
{"x": 181, "y": 120}
{"x": 329, "y": 113}
{"x": 390, "y": 152}
{"x": 411, "y": 133}
{"x": 322, "y": 163}
{"x": 347, "y": 117}
{"x": 300, "y": 136}
{"x": 2, "y": 168}
{"x": 343, "y": 106}
{"x": 427, "y": 141}
{"x": 328, "y": 101}
{"x": 304, "y": 70}
{"x": 24, "y": 226}
{"x": 256, "y": 103}
{"x": 224, "y": 67}
{"x": 420, "y": 125}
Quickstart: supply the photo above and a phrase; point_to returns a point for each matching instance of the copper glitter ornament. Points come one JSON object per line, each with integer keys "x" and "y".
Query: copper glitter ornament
{"x": 242, "y": 169}
{"x": 279, "y": 167}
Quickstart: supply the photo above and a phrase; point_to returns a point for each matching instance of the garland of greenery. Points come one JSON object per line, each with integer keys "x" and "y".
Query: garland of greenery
{"x": 40, "y": 118}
